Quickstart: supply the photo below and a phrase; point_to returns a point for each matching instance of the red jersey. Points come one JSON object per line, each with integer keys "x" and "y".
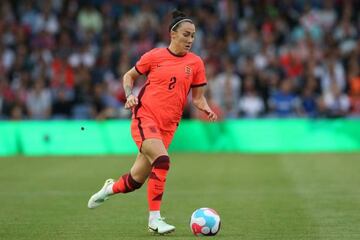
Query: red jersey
{"x": 169, "y": 79}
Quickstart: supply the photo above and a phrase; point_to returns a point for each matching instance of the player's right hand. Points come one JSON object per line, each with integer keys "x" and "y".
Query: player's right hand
{"x": 131, "y": 102}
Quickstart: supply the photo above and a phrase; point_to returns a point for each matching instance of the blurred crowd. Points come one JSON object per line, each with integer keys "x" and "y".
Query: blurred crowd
{"x": 63, "y": 59}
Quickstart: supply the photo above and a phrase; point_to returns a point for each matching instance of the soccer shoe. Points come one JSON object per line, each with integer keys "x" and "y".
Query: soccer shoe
{"x": 98, "y": 198}
{"x": 158, "y": 225}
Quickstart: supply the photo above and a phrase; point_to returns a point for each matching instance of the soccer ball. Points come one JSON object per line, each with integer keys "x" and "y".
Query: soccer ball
{"x": 205, "y": 221}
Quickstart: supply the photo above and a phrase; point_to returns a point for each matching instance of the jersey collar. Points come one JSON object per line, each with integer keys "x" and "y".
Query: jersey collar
{"x": 175, "y": 55}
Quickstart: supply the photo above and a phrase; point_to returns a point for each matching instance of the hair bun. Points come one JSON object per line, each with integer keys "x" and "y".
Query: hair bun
{"x": 177, "y": 13}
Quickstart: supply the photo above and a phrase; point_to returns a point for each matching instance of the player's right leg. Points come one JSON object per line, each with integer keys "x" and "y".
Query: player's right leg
{"x": 126, "y": 183}
{"x": 156, "y": 152}
{"x": 149, "y": 140}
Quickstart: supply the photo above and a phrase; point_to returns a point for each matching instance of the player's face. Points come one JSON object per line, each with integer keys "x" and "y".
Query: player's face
{"x": 184, "y": 36}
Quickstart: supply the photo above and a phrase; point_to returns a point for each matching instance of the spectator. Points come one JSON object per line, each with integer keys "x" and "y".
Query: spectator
{"x": 309, "y": 100}
{"x": 83, "y": 95}
{"x": 284, "y": 103}
{"x": 39, "y": 101}
{"x": 332, "y": 72}
{"x": 336, "y": 103}
{"x": 7, "y": 58}
{"x": 100, "y": 107}
{"x": 7, "y": 96}
{"x": 227, "y": 86}
{"x": 62, "y": 103}
{"x": 46, "y": 20}
{"x": 250, "y": 105}
{"x": 291, "y": 63}
{"x": 89, "y": 19}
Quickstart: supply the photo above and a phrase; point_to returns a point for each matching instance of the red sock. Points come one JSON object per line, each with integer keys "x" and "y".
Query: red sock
{"x": 156, "y": 182}
{"x": 125, "y": 184}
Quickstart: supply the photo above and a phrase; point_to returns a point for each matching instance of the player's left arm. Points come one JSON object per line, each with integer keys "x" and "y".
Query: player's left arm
{"x": 200, "y": 102}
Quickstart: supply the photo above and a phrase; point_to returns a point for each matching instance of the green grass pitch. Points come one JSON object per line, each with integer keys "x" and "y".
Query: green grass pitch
{"x": 306, "y": 196}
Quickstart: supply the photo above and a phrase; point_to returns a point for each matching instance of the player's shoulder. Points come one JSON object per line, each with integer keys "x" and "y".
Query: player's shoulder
{"x": 196, "y": 58}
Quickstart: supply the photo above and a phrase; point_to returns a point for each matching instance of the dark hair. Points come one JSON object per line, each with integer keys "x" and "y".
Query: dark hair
{"x": 176, "y": 13}
{"x": 177, "y": 17}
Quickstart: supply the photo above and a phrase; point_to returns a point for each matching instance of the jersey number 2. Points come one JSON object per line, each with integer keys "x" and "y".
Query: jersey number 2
{"x": 172, "y": 83}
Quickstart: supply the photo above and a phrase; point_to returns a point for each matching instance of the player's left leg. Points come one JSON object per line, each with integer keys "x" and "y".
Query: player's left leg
{"x": 126, "y": 183}
{"x": 135, "y": 178}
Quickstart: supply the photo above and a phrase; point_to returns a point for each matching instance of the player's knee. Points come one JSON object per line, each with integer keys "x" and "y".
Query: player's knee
{"x": 162, "y": 162}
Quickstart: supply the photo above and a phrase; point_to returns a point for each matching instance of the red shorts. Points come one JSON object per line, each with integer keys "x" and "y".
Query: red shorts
{"x": 144, "y": 128}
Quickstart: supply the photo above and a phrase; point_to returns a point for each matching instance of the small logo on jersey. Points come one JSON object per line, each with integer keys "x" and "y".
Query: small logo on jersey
{"x": 153, "y": 129}
{"x": 188, "y": 71}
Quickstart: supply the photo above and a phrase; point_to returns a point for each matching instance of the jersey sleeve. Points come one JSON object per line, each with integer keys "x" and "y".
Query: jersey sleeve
{"x": 199, "y": 77}
{"x": 143, "y": 65}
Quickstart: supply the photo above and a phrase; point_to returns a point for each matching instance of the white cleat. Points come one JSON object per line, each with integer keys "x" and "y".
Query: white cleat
{"x": 101, "y": 196}
{"x": 158, "y": 225}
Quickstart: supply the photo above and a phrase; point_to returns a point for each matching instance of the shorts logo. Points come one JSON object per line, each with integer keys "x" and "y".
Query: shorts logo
{"x": 188, "y": 71}
{"x": 153, "y": 129}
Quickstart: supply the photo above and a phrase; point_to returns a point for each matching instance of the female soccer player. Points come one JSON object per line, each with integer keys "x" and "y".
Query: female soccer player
{"x": 171, "y": 73}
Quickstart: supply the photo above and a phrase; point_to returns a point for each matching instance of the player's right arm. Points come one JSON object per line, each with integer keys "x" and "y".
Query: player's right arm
{"x": 128, "y": 83}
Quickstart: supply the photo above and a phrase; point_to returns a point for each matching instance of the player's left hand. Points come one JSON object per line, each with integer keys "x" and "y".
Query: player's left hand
{"x": 211, "y": 115}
